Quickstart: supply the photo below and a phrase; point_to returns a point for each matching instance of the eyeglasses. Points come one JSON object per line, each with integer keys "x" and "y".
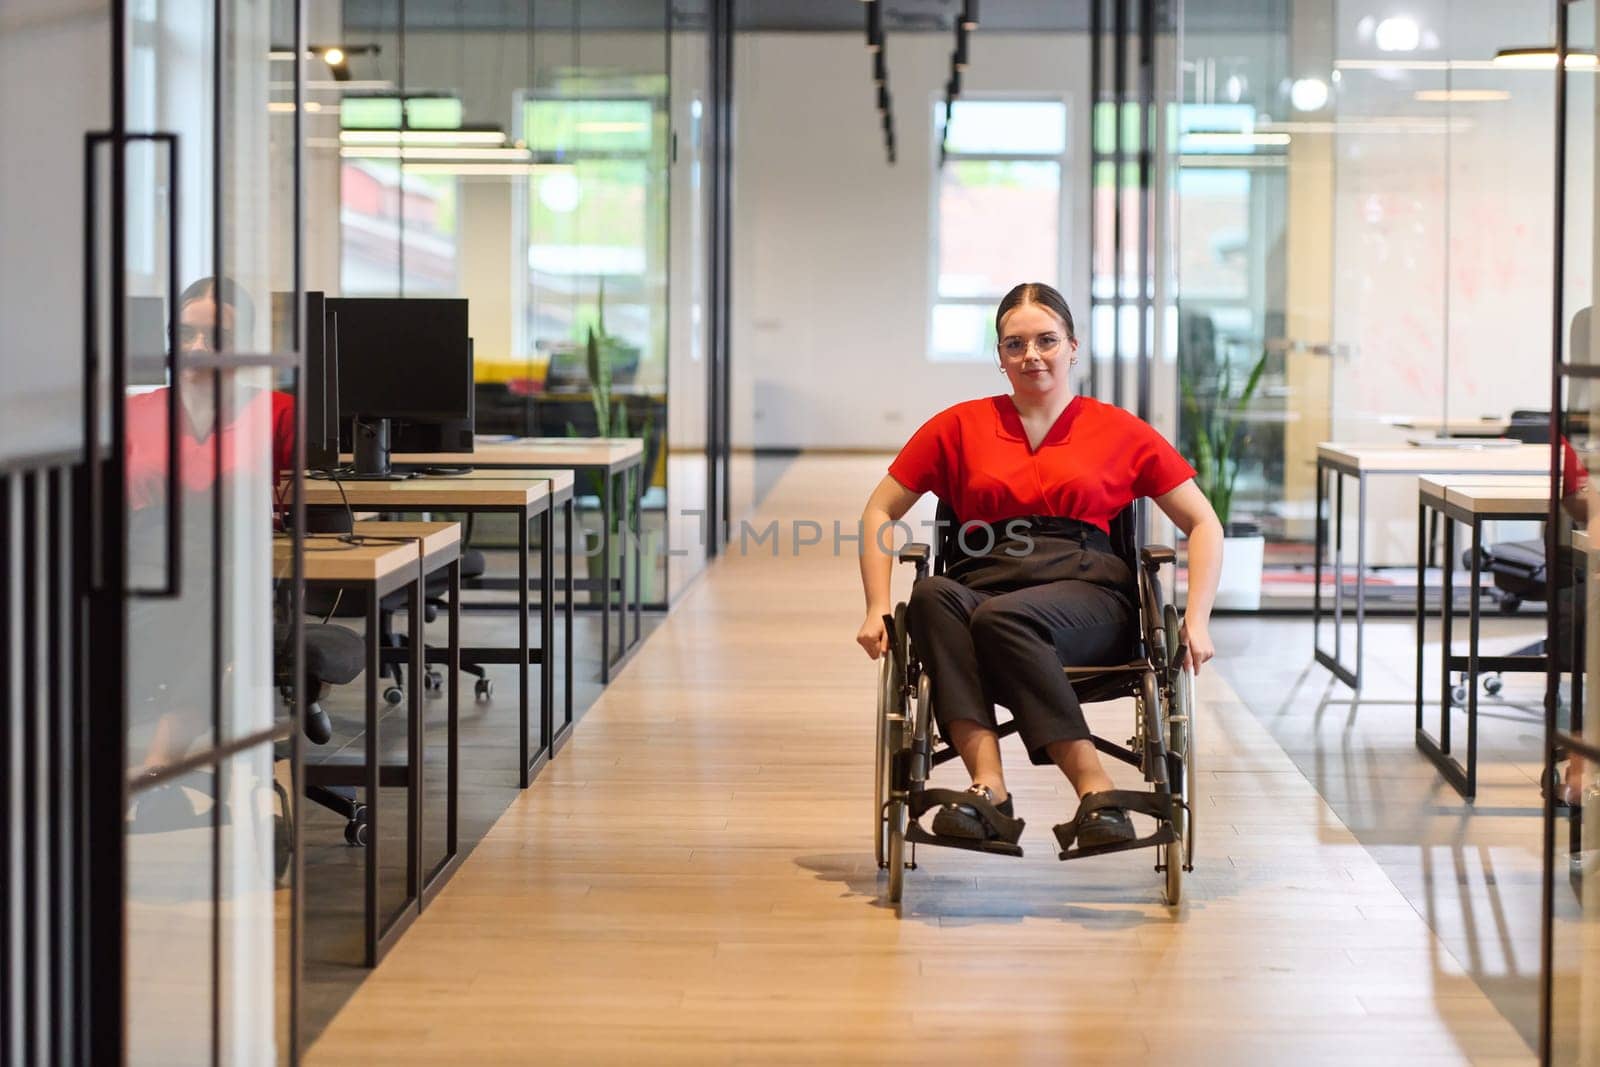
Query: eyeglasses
{"x": 1016, "y": 348}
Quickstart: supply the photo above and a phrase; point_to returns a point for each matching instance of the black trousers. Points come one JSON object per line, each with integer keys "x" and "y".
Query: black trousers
{"x": 988, "y": 642}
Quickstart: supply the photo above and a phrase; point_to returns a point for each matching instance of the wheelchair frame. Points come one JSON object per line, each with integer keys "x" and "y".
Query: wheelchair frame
{"x": 1162, "y": 746}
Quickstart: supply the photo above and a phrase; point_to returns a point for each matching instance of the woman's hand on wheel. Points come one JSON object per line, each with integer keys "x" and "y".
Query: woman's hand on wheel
{"x": 1197, "y": 645}
{"x": 873, "y": 636}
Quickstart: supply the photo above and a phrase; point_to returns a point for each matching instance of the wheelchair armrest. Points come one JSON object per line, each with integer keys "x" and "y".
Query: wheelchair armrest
{"x": 915, "y": 552}
{"x": 918, "y": 553}
{"x": 1153, "y": 556}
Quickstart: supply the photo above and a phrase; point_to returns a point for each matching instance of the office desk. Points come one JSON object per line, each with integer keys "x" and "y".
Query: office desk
{"x": 377, "y": 570}
{"x": 620, "y": 462}
{"x": 1363, "y": 462}
{"x": 1471, "y": 500}
{"x": 527, "y": 497}
{"x": 440, "y": 546}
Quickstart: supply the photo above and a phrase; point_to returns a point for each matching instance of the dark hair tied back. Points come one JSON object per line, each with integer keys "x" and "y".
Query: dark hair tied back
{"x": 1034, "y": 293}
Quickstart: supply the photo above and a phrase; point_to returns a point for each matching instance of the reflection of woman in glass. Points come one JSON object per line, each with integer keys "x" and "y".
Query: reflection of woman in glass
{"x": 172, "y": 690}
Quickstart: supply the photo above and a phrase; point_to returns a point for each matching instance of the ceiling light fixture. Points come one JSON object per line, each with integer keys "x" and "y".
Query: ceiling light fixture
{"x": 1460, "y": 96}
{"x": 407, "y": 138}
{"x": 1542, "y": 58}
{"x": 1397, "y": 34}
{"x": 1220, "y": 138}
{"x": 1308, "y": 94}
{"x": 409, "y": 153}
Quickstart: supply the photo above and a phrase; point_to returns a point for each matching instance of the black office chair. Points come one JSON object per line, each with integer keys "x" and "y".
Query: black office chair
{"x": 334, "y": 655}
{"x": 1517, "y": 568}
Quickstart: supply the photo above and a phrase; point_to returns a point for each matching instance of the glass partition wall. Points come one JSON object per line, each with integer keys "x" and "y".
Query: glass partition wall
{"x": 540, "y": 196}
{"x": 1356, "y": 262}
{"x": 1570, "y": 1024}
{"x": 193, "y": 229}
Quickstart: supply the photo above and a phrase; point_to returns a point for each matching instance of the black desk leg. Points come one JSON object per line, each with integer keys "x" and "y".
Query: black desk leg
{"x": 374, "y": 824}
{"x": 605, "y": 579}
{"x": 547, "y": 629}
{"x": 567, "y": 611}
{"x": 1423, "y": 529}
{"x": 638, "y": 552}
{"x": 522, "y": 651}
{"x": 417, "y": 644}
{"x": 453, "y": 710}
{"x": 1316, "y": 576}
{"x": 623, "y": 526}
{"x": 1447, "y": 640}
{"x": 1475, "y": 596}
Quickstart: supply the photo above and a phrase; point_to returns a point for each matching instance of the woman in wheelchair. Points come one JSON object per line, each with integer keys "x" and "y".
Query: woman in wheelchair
{"x": 1000, "y": 624}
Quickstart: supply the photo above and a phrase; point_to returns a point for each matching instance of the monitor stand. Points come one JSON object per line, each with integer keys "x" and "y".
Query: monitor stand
{"x": 372, "y": 452}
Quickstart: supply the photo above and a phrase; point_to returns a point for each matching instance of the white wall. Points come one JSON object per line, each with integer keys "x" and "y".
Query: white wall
{"x": 41, "y": 213}
{"x": 832, "y": 246}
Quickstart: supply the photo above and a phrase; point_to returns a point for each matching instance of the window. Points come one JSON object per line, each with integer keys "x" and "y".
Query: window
{"x": 1000, "y": 198}
{"x": 596, "y": 224}
{"x": 395, "y": 218}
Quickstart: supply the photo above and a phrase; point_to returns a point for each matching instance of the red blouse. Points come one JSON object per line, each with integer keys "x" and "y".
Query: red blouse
{"x": 263, "y": 421}
{"x": 1095, "y": 461}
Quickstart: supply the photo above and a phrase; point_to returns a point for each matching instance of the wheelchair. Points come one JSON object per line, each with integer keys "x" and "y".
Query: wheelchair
{"x": 1162, "y": 746}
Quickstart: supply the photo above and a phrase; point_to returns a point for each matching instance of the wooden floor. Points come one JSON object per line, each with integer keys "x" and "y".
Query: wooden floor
{"x": 692, "y": 881}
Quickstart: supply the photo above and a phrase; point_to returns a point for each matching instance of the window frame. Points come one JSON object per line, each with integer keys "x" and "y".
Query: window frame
{"x": 1063, "y": 161}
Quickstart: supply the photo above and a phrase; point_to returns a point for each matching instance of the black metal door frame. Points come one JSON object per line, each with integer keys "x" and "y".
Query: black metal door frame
{"x": 719, "y": 499}
{"x": 100, "y": 549}
{"x": 1562, "y": 371}
{"x": 1117, "y": 26}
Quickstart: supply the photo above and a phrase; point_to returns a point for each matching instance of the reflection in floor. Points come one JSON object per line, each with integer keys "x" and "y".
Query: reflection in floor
{"x": 692, "y": 880}
{"x": 1471, "y": 870}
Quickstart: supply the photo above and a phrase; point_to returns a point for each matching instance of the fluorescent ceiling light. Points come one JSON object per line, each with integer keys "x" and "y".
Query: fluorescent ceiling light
{"x": 467, "y": 168}
{"x": 1308, "y": 94}
{"x": 1460, "y": 96}
{"x": 407, "y": 138}
{"x": 1401, "y": 124}
{"x": 1397, "y": 34}
{"x": 610, "y": 127}
{"x": 1541, "y": 58}
{"x": 474, "y": 153}
{"x": 1220, "y": 138}
{"x": 278, "y": 107}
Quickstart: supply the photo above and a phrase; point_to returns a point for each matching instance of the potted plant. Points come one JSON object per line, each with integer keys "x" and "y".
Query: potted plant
{"x": 602, "y": 353}
{"x": 1218, "y": 432}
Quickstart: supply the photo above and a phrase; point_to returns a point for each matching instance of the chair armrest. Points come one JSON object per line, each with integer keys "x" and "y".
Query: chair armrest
{"x": 1157, "y": 555}
{"x": 915, "y": 552}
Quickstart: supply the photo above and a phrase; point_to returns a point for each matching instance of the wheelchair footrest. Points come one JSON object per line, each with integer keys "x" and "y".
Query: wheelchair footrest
{"x": 993, "y": 846}
{"x": 1162, "y": 836}
{"x": 1156, "y": 805}
{"x": 1006, "y": 829}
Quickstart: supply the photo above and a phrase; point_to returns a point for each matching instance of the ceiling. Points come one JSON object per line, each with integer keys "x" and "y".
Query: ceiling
{"x": 805, "y": 16}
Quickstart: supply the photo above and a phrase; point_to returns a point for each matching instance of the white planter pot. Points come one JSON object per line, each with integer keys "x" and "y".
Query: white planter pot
{"x": 1239, "y": 585}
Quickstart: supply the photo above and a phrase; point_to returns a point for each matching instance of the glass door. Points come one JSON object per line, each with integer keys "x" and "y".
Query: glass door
{"x": 194, "y": 217}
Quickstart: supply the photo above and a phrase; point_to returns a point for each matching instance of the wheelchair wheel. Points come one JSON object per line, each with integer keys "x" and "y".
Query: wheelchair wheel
{"x": 885, "y": 758}
{"x": 1179, "y": 856}
{"x": 891, "y": 729}
{"x": 895, "y": 829}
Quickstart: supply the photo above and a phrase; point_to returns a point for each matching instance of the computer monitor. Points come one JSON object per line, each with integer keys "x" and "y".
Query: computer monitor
{"x": 408, "y": 361}
{"x": 319, "y": 388}
{"x": 148, "y": 343}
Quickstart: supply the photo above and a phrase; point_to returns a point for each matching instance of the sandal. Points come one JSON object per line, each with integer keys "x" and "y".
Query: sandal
{"x": 969, "y": 822}
{"x": 1105, "y": 826}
